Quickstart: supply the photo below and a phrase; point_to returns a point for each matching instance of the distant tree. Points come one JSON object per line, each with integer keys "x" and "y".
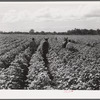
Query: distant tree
{"x": 54, "y": 32}
{"x": 31, "y": 31}
{"x": 98, "y": 31}
{"x": 1, "y": 32}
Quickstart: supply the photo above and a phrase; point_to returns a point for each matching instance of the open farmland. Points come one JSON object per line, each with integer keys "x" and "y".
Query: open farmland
{"x": 76, "y": 67}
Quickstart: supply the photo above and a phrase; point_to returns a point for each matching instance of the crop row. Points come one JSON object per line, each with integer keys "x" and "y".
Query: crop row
{"x": 76, "y": 70}
{"x": 14, "y": 76}
{"x": 11, "y": 46}
{"x": 38, "y": 77}
{"x": 8, "y": 57}
{"x": 7, "y": 41}
{"x": 57, "y": 69}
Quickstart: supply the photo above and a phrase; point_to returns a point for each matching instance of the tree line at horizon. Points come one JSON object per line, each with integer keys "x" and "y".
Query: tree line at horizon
{"x": 69, "y": 32}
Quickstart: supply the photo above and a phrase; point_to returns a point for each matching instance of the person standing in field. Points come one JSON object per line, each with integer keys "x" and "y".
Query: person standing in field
{"x": 56, "y": 38}
{"x": 32, "y": 45}
{"x": 44, "y": 48}
{"x": 65, "y": 42}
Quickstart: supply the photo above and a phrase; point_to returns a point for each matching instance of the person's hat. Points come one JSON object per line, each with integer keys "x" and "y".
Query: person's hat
{"x": 46, "y": 38}
{"x": 69, "y": 40}
{"x": 32, "y": 38}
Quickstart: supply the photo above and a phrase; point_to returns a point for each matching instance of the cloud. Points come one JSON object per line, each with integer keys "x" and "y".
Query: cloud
{"x": 78, "y": 12}
{"x": 15, "y": 16}
{"x": 94, "y": 14}
{"x": 44, "y": 14}
{"x": 51, "y": 17}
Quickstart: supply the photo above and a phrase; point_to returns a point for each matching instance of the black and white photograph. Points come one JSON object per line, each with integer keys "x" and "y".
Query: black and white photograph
{"x": 50, "y": 45}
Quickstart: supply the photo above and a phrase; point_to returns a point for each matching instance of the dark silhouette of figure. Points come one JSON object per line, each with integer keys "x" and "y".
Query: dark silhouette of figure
{"x": 65, "y": 43}
{"x": 56, "y": 38}
{"x": 32, "y": 45}
{"x": 45, "y": 48}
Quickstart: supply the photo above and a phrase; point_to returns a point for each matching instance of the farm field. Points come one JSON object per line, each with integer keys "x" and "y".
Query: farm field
{"x": 76, "y": 67}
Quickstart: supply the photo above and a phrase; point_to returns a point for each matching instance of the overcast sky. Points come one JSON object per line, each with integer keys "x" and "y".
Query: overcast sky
{"x": 49, "y": 16}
